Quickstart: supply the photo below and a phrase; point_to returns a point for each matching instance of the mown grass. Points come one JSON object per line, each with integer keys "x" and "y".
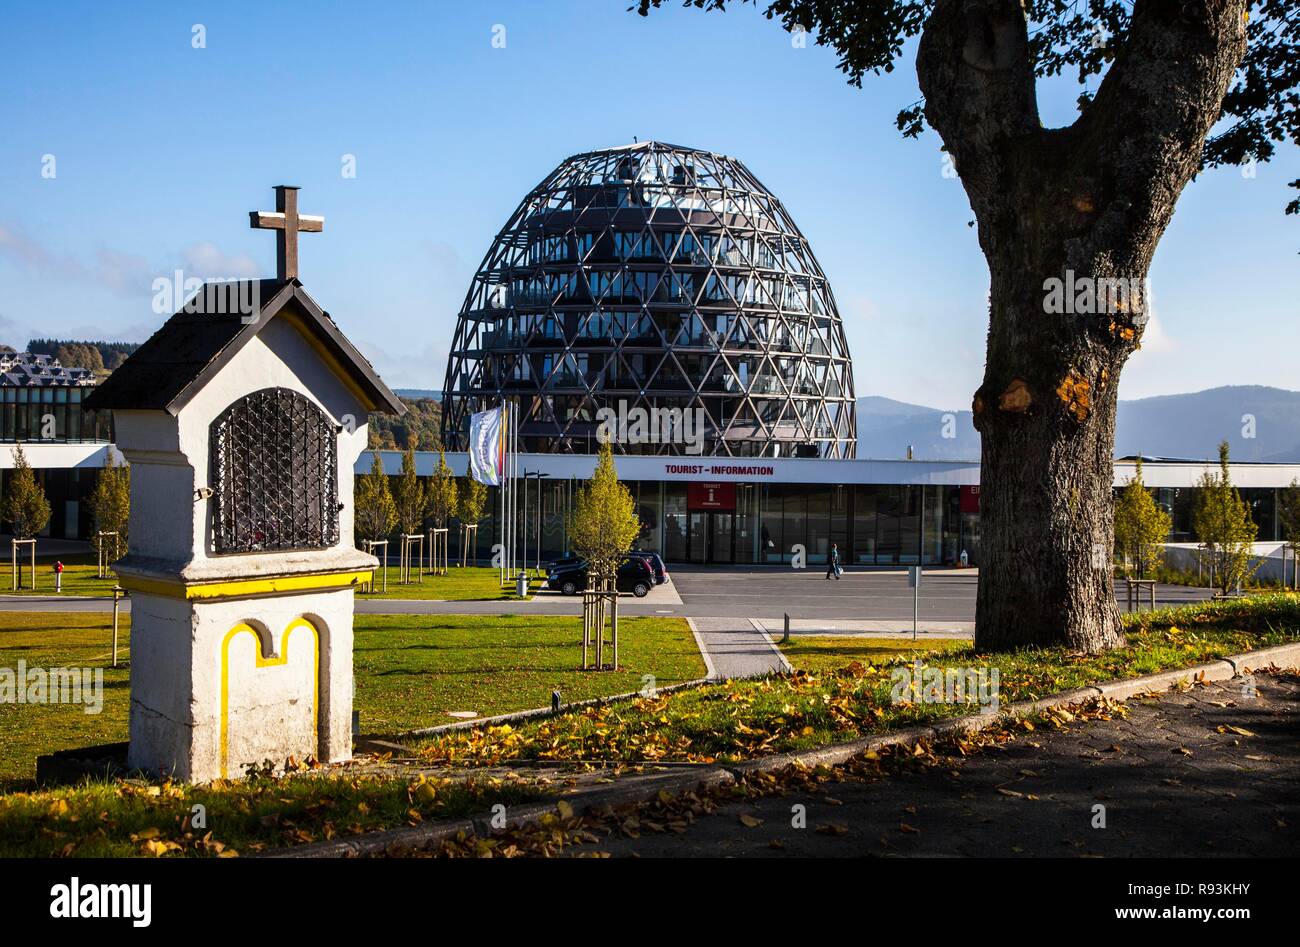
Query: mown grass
{"x": 79, "y": 577}
{"x": 470, "y": 584}
{"x": 852, "y": 698}
{"x": 824, "y": 653}
{"x": 411, "y": 670}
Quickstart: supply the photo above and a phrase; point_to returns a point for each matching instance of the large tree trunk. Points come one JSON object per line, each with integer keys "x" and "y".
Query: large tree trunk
{"x": 1074, "y": 205}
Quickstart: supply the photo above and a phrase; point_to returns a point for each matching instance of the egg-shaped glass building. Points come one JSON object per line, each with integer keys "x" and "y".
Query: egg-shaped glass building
{"x": 660, "y": 296}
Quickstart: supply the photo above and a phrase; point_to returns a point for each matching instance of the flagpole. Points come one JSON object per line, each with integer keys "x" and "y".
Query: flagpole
{"x": 501, "y": 490}
{"x": 514, "y": 491}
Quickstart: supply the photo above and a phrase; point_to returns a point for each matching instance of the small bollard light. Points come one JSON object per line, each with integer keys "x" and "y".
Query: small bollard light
{"x": 555, "y": 702}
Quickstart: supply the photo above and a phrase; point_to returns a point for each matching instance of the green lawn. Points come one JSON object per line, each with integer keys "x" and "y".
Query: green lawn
{"x": 410, "y": 671}
{"x": 473, "y": 583}
{"x": 78, "y": 577}
{"x": 49, "y": 640}
{"x": 828, "y": 653}
{"x": 470, "y": 584}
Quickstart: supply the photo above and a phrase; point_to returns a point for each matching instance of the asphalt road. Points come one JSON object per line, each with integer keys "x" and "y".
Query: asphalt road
{"x": 765, "y": 593}
{"x": 1174, "y": 781}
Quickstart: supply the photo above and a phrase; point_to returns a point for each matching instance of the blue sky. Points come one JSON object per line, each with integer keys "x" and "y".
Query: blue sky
{"x": 161, "y": 149}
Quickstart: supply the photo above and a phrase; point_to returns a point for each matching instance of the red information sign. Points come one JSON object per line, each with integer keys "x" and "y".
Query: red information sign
{"x": 710, "y": 496}
{"x": 970, "y": 499}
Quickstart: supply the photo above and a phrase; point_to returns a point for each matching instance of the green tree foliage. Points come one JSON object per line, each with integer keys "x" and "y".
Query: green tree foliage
{"x": 1222, "y": 522}
{"x": 110, "y": 505}
{"x": 1259, "y": 109}
{"x": 410, "y": 495}
{"x": 420, "y": 425}
{"x": 441, "y": 498}
{"x": 25, "y": 508}
{"x": 471, "y": 500}
{"x": 79, "y": 355}
{"x": 1141, "y": 527}
{"x": 98, "y": 356}
{"x": 376, "y": 511}
{"x": 603, "y": 523}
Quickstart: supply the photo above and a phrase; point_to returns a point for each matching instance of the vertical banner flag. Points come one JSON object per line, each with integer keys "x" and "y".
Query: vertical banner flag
{"x": 487, "y": 447}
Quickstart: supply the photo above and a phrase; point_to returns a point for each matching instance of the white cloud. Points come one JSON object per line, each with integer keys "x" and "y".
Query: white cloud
{"x": 207, "y": 261}
{"x": 425, "y": 369}
{"x": 127, "y": 274}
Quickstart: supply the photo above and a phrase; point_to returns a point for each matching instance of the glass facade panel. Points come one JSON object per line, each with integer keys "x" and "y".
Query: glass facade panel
{"x": 649, "y": 497}
{"x": 818, "y": 524}
{"x": 864, "y": 524}
{"x": 675, "y": 523}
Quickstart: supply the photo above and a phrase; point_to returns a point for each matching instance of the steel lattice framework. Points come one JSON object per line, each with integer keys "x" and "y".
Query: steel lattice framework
{"x": 655, "y": 277}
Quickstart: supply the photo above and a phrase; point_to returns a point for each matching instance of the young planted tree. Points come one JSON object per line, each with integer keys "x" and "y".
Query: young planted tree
{"x": 376, "y": 512}
{"x": 1065, "y": 216}
{"x": 410, "y": 495}
{"x": 471, "y": 501}
{"x": 603, "y": 523}
{"x": 441, "y": 495}
{"x": 1289, "y": 514}
{"x": 1141, "y": 527}
{"x": 1222, "y": 522}
{"x": 24, "y": 508}
{"x": 110, "y": 506}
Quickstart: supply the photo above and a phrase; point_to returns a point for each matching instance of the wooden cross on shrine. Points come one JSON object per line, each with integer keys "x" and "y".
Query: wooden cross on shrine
{"x": 287, "y": 222}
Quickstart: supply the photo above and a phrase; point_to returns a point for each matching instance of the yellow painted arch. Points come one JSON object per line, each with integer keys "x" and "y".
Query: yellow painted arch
{"x": 262, "y": 661}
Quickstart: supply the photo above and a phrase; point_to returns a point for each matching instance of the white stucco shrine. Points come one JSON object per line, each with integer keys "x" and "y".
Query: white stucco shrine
{"x": 242, "y": 429}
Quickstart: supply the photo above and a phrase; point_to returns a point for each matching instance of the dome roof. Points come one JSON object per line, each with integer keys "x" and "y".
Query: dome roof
{"x": 662, "y": 278}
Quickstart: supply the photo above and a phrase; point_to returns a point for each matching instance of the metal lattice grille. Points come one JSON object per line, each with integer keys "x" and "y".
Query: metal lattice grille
{"x": 275, "y": 475}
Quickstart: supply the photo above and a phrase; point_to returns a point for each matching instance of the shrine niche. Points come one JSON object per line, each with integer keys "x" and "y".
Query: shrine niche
{"x": 243, "y": 430}
{"x": 274, "y": 475}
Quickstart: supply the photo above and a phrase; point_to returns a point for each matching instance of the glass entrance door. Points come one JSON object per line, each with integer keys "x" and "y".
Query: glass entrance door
{"x": 721, "y": 537}
{"x": 697, "y": 530}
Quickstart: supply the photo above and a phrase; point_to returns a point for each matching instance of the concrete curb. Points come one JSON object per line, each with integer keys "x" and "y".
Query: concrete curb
{"x": 758, "y": 626}
{"x": 631, "y": 789}
{"x": 482, "y": 722}
{"x": 710, "y": 672}
{"x": 639, "y": 788}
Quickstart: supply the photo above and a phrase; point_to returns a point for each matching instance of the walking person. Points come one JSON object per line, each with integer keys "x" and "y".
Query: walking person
{"x": 833, "y": 562}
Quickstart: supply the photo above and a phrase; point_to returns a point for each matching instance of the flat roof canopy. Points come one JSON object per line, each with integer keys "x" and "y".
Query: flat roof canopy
{"x": 1155, "y": 473}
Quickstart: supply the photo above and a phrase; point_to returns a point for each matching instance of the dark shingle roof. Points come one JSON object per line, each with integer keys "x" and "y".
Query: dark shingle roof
{"x": 192, "y": 346}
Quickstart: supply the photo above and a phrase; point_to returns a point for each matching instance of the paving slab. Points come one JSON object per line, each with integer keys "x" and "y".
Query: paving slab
{"x": 736, "y": 647}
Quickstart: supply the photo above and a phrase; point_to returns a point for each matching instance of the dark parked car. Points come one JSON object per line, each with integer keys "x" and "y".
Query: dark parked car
{"x": 656, "y": 564}
{"x": 634, "y": 575}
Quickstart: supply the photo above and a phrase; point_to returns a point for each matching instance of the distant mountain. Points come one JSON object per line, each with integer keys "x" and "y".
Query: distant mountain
{"x": 414, "y": 394}
{"x": 1261, "y": 424}
{"x": 886, "y": 428}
